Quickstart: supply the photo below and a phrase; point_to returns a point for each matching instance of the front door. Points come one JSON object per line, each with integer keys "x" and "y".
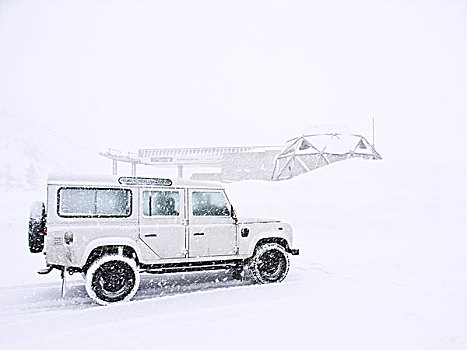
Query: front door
{"x": 211, "y": 230}
{"x": 161, "y": 222}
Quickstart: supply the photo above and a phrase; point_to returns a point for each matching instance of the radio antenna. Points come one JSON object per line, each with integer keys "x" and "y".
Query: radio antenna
{"x": 373, "y": 127}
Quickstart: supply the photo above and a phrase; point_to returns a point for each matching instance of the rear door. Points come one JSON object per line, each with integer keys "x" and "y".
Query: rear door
{"x": 211, "y": 229}
{"x": 161, "y": 222}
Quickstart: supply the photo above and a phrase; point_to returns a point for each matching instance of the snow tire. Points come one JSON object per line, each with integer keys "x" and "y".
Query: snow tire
{"x": 269, "y": 264}
{"x": 112, "y": 278}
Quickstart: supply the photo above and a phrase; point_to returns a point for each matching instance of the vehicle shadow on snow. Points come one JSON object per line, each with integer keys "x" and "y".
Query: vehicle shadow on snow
{"x": 159, "y": 286}
{"x": 167, "y": 285}
{"x": 47, "y": 297}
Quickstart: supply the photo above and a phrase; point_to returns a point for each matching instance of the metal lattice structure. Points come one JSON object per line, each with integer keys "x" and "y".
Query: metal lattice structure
{"x": 299, "y": 155}
{"x": 308, "y": 152}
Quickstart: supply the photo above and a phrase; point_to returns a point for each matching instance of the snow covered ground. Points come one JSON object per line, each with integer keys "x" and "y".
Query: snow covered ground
{"x": 382, "y": 266}
{"x": 382, "y": 261}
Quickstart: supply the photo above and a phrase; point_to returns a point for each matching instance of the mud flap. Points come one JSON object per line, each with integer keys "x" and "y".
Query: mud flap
{"x": 63, "y": 275}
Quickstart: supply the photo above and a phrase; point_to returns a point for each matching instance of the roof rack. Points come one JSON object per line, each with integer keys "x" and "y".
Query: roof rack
{"x": 148, "y": 181}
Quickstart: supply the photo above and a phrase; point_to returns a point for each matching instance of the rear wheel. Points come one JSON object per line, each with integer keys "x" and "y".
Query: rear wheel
{"x": 270, "y": 263}
{"x": 112, "y": 278}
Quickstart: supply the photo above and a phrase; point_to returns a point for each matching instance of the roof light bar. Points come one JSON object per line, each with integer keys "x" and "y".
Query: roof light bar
{"x": 148, "y": 181}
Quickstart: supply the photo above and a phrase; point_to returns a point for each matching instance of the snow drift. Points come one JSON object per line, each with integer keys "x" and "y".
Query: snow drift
{"x": 382, "y": 266}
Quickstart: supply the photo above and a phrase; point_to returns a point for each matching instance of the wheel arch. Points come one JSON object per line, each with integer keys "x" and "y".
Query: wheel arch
{"x": 279, "y": 240}
{"x": 107, "y": 246}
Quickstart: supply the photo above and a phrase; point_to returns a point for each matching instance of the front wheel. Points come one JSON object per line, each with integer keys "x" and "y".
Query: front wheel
{"x": 112, "y": 278}
{"x": 270, "y": 263}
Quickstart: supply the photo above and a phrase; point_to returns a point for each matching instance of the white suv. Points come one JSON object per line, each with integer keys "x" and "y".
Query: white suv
{"x": 112, "y": 229}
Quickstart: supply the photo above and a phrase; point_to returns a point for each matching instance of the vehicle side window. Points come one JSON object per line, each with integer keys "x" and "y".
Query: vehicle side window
{"x": 209, "y": 204}
{"x": 162, "y": 203}
{"x": 94, "y": 202}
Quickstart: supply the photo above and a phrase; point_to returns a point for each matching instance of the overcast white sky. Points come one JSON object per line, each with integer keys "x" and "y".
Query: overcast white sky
{"x": 140, "y": 74}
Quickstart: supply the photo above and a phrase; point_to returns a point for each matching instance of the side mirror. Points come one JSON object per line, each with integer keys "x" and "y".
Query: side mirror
{"x": 233, "y": 214}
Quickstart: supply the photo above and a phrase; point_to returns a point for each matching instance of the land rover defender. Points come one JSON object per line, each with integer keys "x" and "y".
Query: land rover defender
{"x": 111, "y": 229}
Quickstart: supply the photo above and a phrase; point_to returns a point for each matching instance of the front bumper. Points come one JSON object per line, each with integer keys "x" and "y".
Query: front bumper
{"x": 294, "y": 251}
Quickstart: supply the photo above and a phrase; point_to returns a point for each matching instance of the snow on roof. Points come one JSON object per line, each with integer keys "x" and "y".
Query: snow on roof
{"x": 111, "y": 180}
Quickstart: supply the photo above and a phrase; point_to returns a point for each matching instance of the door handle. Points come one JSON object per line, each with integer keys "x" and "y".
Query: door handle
{"x": 198, "y": 234}
{"x": 151, "y": 235}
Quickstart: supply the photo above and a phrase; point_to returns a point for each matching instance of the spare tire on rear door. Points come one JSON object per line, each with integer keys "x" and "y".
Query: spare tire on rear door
{"x": 37, "y": 220}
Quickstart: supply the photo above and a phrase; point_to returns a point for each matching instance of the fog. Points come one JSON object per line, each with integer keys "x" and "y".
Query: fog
{"x": 129, "y": 75}
{"x": 382, "y": 250}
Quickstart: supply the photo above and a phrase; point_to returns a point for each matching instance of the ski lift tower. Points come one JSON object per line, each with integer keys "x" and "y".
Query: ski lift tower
{"x": 227, "y": 164}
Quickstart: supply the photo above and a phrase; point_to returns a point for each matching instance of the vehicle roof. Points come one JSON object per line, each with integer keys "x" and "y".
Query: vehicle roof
{"x": 112, "y": 180}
